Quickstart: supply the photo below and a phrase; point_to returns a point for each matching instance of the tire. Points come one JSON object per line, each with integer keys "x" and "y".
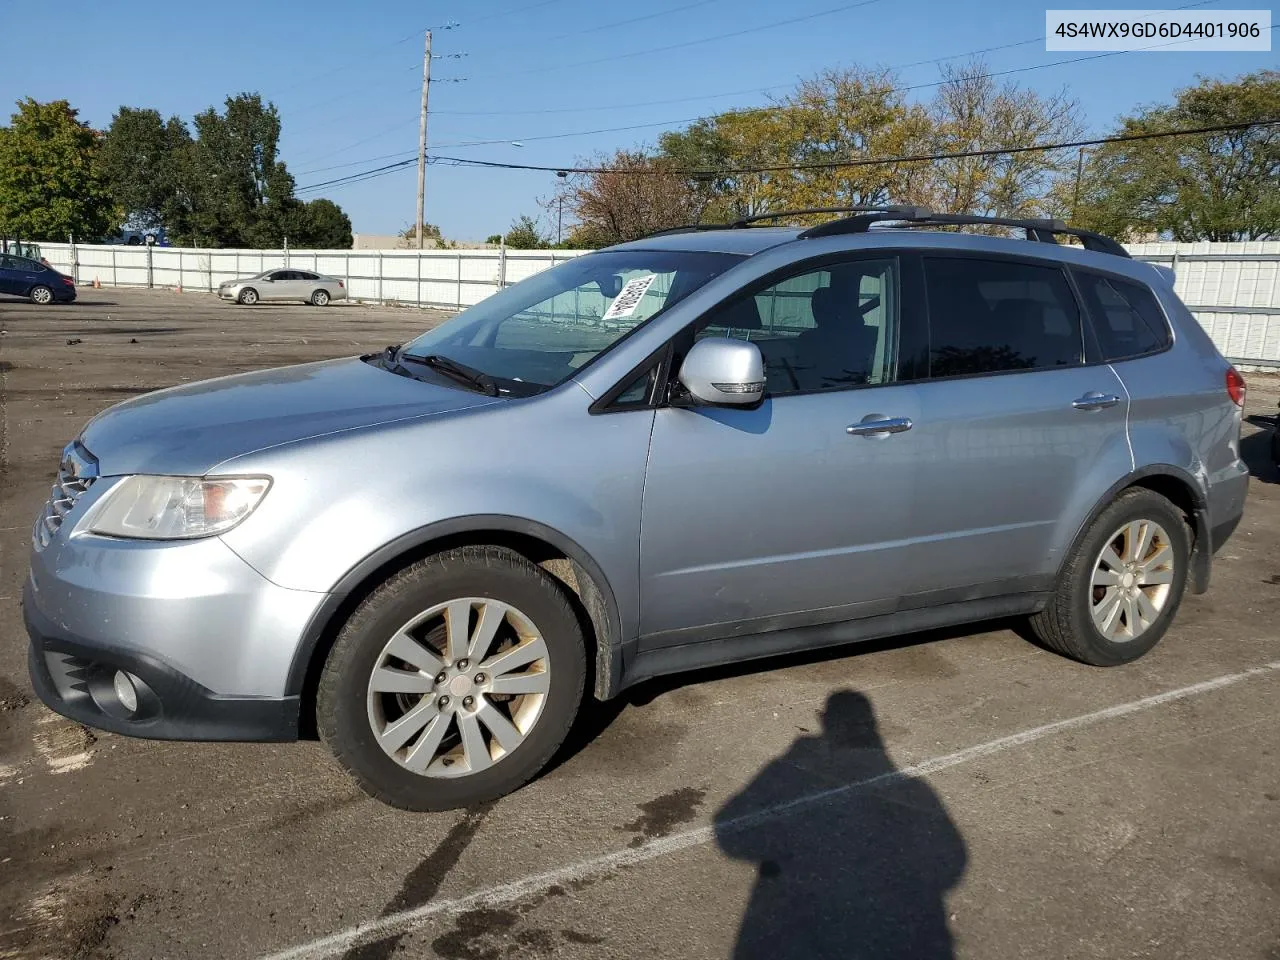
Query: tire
{"x": 350, "y": 716}
{"x": 320, "y": 298}
{"x": 248, "y": 296}
{"x": 1275, "y": 445}
{"x": 1069, "y": 625}
{"x": 40, "y": 294}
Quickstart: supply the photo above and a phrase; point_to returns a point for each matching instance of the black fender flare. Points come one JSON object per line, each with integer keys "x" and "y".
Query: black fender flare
{"x": 1202, "y": 548}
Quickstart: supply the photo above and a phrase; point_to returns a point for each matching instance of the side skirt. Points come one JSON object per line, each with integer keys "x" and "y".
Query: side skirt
{"x": 715, "y": 652}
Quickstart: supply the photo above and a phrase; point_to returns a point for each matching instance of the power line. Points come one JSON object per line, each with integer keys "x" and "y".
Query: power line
{"x": 744, "y": 110}
{"x": 353, "y": 163}
{"x": 811, "y": 165}
{"x": 753, "y": 90}
{"x": 873, "y": 161}
{"x": 764, "y": 109}
{"x": 630, "y": 20}
{"x": 613, "y": 58}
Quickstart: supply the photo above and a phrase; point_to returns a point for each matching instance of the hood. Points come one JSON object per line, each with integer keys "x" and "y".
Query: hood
{"x": 189, "y": 429}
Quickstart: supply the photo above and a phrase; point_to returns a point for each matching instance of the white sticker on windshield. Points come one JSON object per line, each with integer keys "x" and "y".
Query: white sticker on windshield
{"x": 625, "y": 303}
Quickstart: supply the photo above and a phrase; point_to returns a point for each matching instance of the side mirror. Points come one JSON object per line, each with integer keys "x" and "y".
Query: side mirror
{"x": 724, "y": 372}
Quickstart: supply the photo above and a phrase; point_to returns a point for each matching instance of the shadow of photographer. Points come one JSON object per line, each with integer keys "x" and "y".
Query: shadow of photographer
{"x": 862, "y": 870}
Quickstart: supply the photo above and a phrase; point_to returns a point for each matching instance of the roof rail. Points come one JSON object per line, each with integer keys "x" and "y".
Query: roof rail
{"x": 1042, "y": 231}
{"x": 807, "y": 211}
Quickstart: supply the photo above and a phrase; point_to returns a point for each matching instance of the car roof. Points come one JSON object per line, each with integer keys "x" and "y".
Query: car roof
{"x": 748, "y": 241}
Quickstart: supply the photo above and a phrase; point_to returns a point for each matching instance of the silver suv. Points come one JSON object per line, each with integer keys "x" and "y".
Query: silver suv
{"x": 705, "y": 446}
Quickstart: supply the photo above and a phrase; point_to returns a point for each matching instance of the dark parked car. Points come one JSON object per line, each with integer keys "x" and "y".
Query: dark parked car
{"x": 39, "y": 283}
{"x": 1275, "y": 441}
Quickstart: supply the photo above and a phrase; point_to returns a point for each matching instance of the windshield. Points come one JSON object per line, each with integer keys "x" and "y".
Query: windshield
{"x": 544, "y": 329}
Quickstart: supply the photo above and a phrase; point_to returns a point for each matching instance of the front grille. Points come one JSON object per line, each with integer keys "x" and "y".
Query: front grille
{"x": 76, "y": 474}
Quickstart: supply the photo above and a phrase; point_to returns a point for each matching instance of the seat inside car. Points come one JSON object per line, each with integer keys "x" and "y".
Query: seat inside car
{"x": 841, "y": 346}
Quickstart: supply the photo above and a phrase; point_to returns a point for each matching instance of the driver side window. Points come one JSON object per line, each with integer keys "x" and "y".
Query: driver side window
{"x": 825, "y": 329}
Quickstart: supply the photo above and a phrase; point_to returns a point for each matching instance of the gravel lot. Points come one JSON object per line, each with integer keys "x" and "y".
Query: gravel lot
{"x": 965, "y": 794}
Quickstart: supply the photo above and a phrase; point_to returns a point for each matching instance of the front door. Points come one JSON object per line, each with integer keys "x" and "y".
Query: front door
{"x": 789, "y": 514}
{"x": 8, "y": 275}
{"x": 275, "y": 286}
{"x": 1013, "y": 427}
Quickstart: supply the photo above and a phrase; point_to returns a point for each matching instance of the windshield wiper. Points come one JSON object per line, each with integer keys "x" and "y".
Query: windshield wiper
{"x": 457, "y": 371}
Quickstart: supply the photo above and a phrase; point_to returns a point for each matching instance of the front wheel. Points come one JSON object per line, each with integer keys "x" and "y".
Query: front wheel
{"x": 1121, "y": 586}
{"x": 41, "y": 295}
{"x": 455, "y": 681}
{"x": 248, "y": 296}
{"x": 320, "y": 298}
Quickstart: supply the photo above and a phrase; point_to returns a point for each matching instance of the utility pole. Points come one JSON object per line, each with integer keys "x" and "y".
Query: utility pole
{"x": 1075, "y": 195}
{"x": 422, "y": 139}
{"x": 561, "y": 175}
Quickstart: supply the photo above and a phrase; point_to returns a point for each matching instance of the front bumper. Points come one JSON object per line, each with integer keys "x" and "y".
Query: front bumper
{"x": 211, "y": 641}
{"x": 76, "y": 679}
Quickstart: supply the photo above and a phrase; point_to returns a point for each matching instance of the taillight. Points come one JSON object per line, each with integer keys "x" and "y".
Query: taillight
{"x": 68, "y": 281}
{"x": 340, "y": 283}
{"x": 1235, "y": 386}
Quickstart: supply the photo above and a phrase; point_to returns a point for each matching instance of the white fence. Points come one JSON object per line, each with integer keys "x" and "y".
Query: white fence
{"x": 1234, "y": 291}
{"x": 1232, "y": 288}
{"x": 425, "y": 278}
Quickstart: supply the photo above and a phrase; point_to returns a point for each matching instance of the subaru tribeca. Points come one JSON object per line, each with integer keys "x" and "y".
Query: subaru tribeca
{"x": 704, "y": 446}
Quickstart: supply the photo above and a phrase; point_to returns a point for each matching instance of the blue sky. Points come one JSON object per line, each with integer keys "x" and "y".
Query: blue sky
{"x": 346, "y": 76}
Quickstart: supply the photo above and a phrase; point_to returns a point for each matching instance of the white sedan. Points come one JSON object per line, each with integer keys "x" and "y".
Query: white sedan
{"x": 284, "y": 284}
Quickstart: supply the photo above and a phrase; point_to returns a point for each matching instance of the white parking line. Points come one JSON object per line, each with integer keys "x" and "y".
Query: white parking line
{"x": 529, "y": 886}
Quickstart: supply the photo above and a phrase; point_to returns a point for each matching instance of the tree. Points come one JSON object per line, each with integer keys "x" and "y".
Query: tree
{"x": 1212, "y": 186}
{"x": 525, "y": 235}
{"x": 140, "y": 164}
{"x": 429, "y": 231}
{"x": 854, "y": 113}
{"x": 323, "y": 226}
{"x": 51, "y": 185}
{"x": 634, "y": 196}
{"x": 972, "y": 112}
{"x": 235, "y": 190}
{"x": 493, "y": 238}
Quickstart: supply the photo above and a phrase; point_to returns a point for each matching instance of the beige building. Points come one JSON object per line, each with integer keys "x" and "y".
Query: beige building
{"x": 380, "y": 241}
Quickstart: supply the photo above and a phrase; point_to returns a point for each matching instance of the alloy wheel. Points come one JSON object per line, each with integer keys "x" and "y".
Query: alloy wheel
{"x": 1132, "y": 580}
{"x": 459, "y": 687}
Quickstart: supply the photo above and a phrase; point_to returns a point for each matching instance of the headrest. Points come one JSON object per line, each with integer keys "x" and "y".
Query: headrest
{"x": 743, "y": 314}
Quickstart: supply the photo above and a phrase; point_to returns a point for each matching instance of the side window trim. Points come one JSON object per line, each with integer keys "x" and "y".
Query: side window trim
{"x": 1022, "y": 260}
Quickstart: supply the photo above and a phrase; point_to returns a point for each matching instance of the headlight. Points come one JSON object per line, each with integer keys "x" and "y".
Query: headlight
{"x": 176, "y": 508}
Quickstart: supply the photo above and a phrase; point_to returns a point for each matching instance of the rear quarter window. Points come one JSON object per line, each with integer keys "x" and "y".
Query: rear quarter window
{"x": 1126, "y": 316}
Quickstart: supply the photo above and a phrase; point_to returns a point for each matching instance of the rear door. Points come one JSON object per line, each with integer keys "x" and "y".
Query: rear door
{"x": 305, "y": 284}
{"x": 789, "y": 514}
{"x": 1014, "y": 428}
{"x": 26, "y": 274}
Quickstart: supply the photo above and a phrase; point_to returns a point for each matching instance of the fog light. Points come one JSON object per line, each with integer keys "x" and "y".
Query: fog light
{"x": 126, "y": 692}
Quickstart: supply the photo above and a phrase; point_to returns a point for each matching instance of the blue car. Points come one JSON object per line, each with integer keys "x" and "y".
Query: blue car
{"x": 39, "y": 283}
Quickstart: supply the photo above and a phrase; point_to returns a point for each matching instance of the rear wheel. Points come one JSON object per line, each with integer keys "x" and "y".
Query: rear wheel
{"x": 1120, "y": 588}
{"x": 248, "y": 296}
{"x": 455, "y": 681}
{"x": 320, "y": 298}
{"x": 41, "y": 294}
